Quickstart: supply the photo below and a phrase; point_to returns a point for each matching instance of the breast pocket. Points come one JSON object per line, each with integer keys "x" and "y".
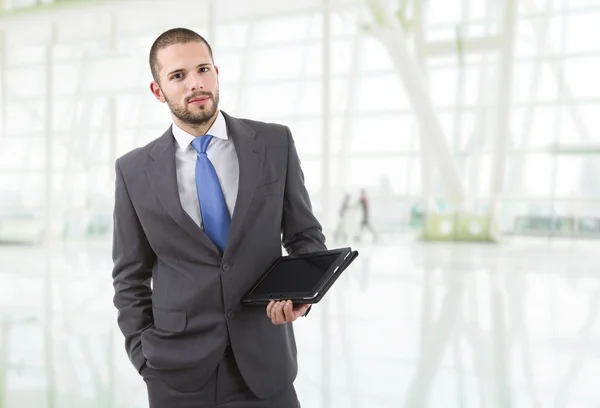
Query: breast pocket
{"x": 268, "y": 188}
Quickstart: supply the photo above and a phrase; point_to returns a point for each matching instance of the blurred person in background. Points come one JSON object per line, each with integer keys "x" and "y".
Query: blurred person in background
{"x": 202, "y": 212}
{"x": 365, "y": 223}
{"x": 341, "y": 232}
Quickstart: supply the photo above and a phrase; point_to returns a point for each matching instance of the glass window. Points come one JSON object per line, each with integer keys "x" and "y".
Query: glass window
{"x": 582, "y": 76}
{"x": 375, "y": 56}
{"x": 24, "y": 54}
{"x": 535, "y": 81}
{"x": 234, "y": 35}
{"x": 307, "y": 135}
{"x": 537, "y": 174}
{"x": 26, "y": 82}
{"x": 381, "y": 134}
{"x": 25, "y": 117}
{"x": 289, "y": 62}
{"x": 444, "y": 11}
{"x": 588, "y": 118}
{"x": 22, "y": 153}
{"x": 287, "y": 29}
{"x": 534, "y": 126}
{"x": 569, "y": 177}
{"x": 370, "y": 171}
{"x": 582, "y": 31}
{"x": 381, "y": 93}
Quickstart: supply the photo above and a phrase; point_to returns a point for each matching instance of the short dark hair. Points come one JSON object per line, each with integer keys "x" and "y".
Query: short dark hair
{"x": 170, "y": 37}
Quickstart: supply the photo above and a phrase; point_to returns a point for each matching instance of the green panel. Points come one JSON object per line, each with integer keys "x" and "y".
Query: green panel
{"x": 457, "y": 227}
{"x": 473, "y": 227}
{"x": 439, "y": 227}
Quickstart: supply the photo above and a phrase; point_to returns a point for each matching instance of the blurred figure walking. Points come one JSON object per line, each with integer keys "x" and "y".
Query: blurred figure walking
{"x": 365, "y": 223}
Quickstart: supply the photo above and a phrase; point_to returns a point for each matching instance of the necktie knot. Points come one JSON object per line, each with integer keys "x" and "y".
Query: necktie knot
{"x": 200, "y": 144}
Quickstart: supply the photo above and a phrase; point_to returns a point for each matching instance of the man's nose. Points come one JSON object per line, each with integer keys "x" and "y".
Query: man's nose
{"x": 196, "y": 83}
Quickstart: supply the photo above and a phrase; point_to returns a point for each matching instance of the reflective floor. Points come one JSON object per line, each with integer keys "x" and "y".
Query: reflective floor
{"x": 409, "y": 325}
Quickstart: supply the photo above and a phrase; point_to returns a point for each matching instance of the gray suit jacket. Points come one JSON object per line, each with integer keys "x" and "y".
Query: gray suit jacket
{"x": 180, "y": 325}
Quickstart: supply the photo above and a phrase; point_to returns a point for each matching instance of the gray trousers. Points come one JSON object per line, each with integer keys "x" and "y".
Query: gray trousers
{"x": 225, "y": 389}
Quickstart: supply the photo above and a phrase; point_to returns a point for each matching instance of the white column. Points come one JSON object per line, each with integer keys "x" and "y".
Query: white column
{"x": 326, "y": 115}
{"x": 112, "y": 101}
{"x": 504, "y": 104}
{"x": 347, "y": 136}
{"x": 212, "y": 26}
{"x": 426, "y": 158}
{"x": 4, "y": 350}
{"x": 3, "y": 84}
{"x": 326, "y": 383}
{"x": 49, "y": 136}
{"x": 50, "y": 233}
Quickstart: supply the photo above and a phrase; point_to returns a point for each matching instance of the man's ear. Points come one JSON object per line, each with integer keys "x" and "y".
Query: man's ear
{"x": 217, "y": 70}
{"x": 157, "y": 92}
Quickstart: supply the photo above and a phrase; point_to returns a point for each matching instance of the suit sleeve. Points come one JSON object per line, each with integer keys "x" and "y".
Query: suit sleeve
{"x": 132, "y": 272}
{"x": 302, "y": 232}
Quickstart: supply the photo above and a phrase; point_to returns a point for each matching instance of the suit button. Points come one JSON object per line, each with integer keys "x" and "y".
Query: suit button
{"x": 225, "y": 267}
{"x": 231, "y": 315}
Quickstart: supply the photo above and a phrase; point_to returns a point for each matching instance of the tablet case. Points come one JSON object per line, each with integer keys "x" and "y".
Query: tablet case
{"x": 328, "y": 285}
{"x": 351, "y": 257}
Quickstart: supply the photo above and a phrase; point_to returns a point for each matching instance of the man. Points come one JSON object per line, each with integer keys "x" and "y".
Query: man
{"x": 201, "y": 212}
{"x": 364, "y": 223}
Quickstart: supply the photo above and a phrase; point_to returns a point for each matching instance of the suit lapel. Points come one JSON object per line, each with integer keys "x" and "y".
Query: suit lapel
{"x": 250, "y": 152}
{"x": 162, "y": 174}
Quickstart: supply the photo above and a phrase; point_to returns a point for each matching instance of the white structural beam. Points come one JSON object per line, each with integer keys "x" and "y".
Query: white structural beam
{"x": 347, "y": 136}
{"x": 3, "y": 84}
{"x": 326, "y": 84}
{"x": 478, "y": 136}
{"x": 49, "y": 232}
{"x": 426, "y": 157}
{"x": 326, "y": 377}
{"x": 504, "y": 103}
{"x": 112, "y": 101}
{"x": 389, "y": 31}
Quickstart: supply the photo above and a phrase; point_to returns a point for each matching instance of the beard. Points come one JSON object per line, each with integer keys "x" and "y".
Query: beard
{"x": 200, "y": 117}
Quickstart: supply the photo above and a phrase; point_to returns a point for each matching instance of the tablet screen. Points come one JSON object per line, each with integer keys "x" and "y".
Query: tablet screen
{"x": 296, "y": 275}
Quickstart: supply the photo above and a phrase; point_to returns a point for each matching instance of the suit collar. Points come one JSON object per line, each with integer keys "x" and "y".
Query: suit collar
{"x": 250, "y": 149}
{"x": 162, "y": 174}
{"x": 218, "y": 130}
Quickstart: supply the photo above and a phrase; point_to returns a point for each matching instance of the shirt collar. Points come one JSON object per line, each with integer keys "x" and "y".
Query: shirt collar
{"x": 218, "y": 130}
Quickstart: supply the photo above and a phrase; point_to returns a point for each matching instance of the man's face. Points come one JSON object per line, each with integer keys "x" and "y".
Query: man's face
{"x": 188, "y": 82}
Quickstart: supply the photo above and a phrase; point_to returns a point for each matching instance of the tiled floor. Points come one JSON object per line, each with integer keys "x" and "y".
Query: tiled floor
{"x": 409, "y": 325}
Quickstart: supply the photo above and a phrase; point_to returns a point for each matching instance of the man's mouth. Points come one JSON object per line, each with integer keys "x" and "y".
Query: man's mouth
{"x": 199, "y": 99}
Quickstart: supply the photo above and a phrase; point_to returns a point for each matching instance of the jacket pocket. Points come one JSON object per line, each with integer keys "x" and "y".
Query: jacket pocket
{"x": 268, "y": 188}
{"x": 172, "y": 321}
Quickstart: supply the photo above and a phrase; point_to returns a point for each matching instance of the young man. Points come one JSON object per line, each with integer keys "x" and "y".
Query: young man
{"x": 201, "y": 212}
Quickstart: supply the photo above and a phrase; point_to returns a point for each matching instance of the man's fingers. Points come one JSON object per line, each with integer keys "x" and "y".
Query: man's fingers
{"x": 279, "y": 318}
{"x": 284, "y": 311}
{"x": 288, "y": 311}
{"x": 274, "y": 312}
{"x": 270, "y": 309}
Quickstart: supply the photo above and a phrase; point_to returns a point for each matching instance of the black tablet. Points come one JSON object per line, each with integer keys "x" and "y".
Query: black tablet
{"x": 301, "y": 278}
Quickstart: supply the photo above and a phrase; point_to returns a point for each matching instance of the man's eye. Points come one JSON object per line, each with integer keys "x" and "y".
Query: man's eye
{"x": 204, "y": 69}
{"x": 177, "y": 76}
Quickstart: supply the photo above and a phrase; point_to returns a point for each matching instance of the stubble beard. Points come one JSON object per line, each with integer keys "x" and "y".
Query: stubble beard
{"x": 203, "y": 116}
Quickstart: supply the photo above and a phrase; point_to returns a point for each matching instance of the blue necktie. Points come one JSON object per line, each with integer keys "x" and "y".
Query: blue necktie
{"x": 215, "y": 215}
